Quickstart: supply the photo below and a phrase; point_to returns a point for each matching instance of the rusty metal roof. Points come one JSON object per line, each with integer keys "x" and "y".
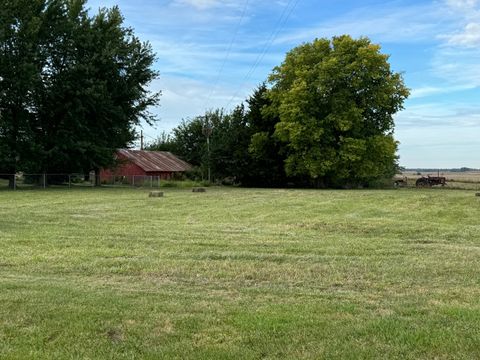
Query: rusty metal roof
{"x": 156, "y": 161}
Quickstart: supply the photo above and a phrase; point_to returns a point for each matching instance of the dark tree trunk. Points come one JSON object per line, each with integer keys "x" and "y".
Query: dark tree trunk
{"x": 11, "y": 181}
{"x": 97, "y": 177}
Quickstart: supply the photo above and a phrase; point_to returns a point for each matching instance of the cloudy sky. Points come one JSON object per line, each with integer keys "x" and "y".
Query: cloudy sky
{"x": 213, "y": 53}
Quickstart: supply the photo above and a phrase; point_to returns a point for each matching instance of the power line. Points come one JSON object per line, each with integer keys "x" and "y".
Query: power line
{"x": 287, "y": 12}
{"x": 227, "y": 54}
{"x": 148, "y": 136}
{"x": 281, "y": 22}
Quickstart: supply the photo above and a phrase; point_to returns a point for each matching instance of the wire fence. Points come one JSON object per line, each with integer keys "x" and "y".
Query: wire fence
{"x": 31, "y": 181}
{"x": 21, "y": 181}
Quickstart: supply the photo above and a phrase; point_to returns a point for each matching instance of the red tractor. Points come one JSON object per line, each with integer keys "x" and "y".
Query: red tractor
{"x": 430, "y": 181}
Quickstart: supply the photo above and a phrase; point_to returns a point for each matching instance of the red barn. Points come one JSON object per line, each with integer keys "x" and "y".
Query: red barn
{"x": 160, "y": 164}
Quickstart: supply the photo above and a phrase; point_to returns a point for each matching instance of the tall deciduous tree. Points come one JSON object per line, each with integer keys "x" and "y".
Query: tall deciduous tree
{"x": 163, "y": 142}
{"x": 266, "y": 153}
{"x": 83, "y": 85}
{"x": 190, "y": 141}
{"x": 20, "y": 64}
{"x": 335, "y": 100}
{"x": 97, "y": 91}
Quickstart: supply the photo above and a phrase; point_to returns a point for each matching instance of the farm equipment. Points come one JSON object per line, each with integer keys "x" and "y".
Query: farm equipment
{"x": 430, "y": 181}
{"x": 401, "y": 182}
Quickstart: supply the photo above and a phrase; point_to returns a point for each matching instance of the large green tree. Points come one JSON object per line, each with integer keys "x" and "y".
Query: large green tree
{"x": 226, "y": 154}
{"x": 335, "y": 100}
{"x": 73, "y": 86}
{"x": 97, "y": 90}
{"x": 267, "y": 153}
{"x": 189, "y": 140}
{"x": 163, "y": 142}
{"x": 20, "y": 66}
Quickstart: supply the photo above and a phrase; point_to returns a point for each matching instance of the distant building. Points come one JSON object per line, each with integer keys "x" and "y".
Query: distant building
{"x": 162, "y": 164}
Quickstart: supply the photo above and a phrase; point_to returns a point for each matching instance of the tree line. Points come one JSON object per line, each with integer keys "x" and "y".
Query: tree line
{"x": 324, "y": 118}
{"x": 73, "y": 87}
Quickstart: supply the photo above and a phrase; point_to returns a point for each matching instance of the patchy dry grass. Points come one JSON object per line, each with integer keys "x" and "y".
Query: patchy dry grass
{"x": 240, "y": 274}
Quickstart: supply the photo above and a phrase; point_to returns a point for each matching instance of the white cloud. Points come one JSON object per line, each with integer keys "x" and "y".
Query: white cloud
{"x": 458, "y": 66}
{"x": 387, "y": 24}
{"x": 439, "y": 134}
{"x": 208, "y": 4}
{"x": 467, "y": 14}
{"x": 463, "y": 5}
{"x": 457, "y": 58}
{"x": 200, "y": 4}
{"x": 184, "y": 98}
{"x": 469, "y": 37}
{"x": 439, "y": 147}
{"x": 425, "y": 91}
{"x": 438, "y": 114}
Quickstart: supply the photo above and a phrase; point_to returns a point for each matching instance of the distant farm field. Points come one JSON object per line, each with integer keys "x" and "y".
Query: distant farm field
{"x": 469, "y": 180}
{"x": 239, "y": 274}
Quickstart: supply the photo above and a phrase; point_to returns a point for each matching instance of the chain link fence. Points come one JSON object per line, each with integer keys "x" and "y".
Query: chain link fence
{"x": 32, "y": 181}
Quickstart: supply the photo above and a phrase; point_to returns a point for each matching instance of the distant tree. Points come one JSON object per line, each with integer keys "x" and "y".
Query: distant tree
{"x": 229, "y": 145}
{"x": 163, "y": 142}
{"x": 242, "y": 146}
{"x": 229, "y": 136}
{"x": 335, "y": 100}
{"x": 190, "y": 141}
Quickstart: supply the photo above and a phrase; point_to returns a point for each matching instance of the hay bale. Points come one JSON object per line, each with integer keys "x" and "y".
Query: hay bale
{"x": 201, "y": 190}
{"x": 156, "y": 194}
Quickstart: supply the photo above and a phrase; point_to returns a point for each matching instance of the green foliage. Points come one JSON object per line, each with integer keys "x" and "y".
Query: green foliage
{"x": 327, "y": 121}
{"x": 229, "y": 145}
{"x": 235, "y": 153}
{"x": 164, "y": 142}
{"x": 190, "y": 142}
{"x": 335, "y": 100}
{"x": 20, "y": 61}
{"x": 73, "y": 86}
{"x": 227, "y": 152}
{"x": 267, "y": 153}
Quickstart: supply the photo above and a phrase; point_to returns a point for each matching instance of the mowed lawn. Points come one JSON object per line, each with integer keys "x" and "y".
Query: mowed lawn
{"x": 239, "y": 274}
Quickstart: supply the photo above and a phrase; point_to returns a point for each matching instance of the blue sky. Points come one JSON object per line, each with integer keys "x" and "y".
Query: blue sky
{"x": 213, "y": 53}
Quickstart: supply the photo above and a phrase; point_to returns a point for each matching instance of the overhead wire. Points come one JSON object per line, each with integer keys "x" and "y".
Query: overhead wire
{"x": 228, "y": 52}
{"x": 282, "y": 20}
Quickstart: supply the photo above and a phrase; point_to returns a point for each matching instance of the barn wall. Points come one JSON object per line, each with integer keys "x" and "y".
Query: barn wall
{"x": 128, "y": 169}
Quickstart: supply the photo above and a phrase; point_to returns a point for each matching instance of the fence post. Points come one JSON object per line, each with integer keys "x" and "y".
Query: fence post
{"x": 14, "y": 182}
{"x": 151, "y": 181}
{"x": 69, "y": 181}
{"x": 158, "y": 181}
{"x": 133, "y": 180}
{"x": 44, "y": 181}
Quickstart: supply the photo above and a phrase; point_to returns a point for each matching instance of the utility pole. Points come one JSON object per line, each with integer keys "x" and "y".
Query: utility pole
{"x": 208, "y": 152}
{"x": 141, "y": 139}
{"x": 207, "y": 131}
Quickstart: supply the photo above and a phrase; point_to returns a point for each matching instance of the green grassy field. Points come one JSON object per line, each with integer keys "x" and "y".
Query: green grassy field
{"x": 239, "y": 274}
